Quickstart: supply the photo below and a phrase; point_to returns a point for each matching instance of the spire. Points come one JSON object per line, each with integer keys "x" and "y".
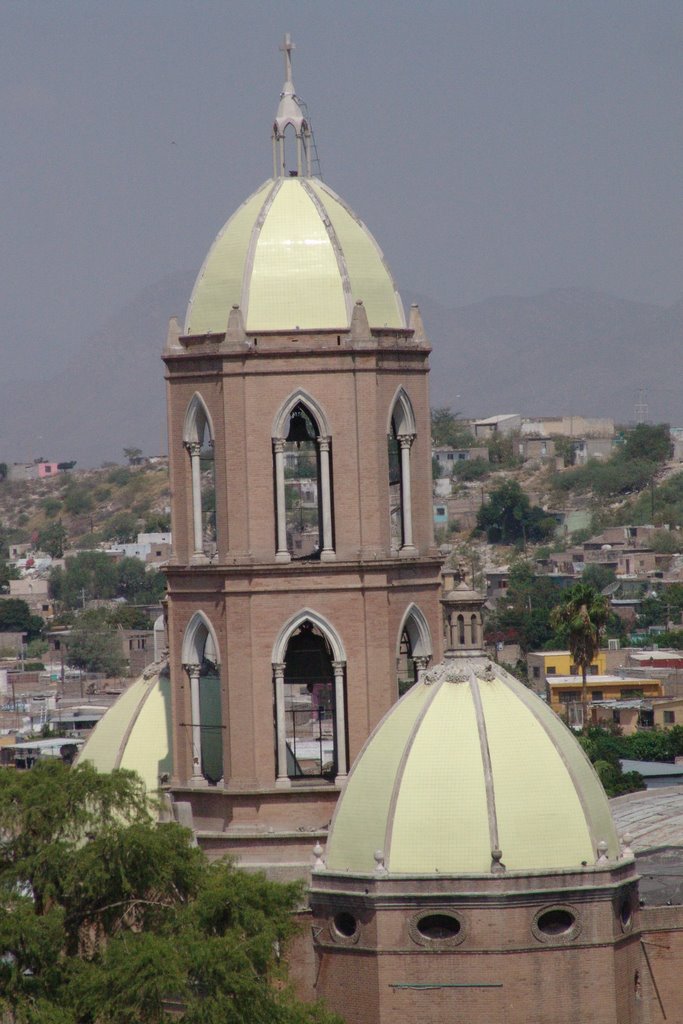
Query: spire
{"x": 290, "y": 112}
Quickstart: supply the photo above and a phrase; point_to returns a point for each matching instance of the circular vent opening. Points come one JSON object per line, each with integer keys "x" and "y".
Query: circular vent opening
{"x": 438, "y": 926}
{"x": 345, "y": 924}
{"x": 556, "y": 922}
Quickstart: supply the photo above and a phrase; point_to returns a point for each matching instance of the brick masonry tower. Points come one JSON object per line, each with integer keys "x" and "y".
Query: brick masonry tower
{"x": 303, "y": 592}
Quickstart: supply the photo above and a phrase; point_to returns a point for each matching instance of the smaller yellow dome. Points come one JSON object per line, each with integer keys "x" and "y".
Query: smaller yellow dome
{"x": 135, "y": 732}
{"x": 468, "y": 770}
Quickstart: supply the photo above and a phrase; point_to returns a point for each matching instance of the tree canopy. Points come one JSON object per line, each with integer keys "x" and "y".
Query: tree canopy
{"x": 583, "y": 612}
{"x": 110, "y": 918}
{"x": 16, "y": 617}
{"x": 508, "y": 516}
{"x": 92, "y": 575}
{"x": 448, "y": 430}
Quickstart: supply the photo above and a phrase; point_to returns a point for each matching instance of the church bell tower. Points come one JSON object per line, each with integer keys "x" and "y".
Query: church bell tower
{"x": 303, "y": 592}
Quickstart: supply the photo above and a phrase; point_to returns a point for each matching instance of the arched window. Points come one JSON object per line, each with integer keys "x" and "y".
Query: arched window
{"x": 202, "y": 664}
{"x": 310, "y": 720}
{"x": 198, "y": 442}
{"x": 303, "y": 481}
{"x": 414, "y": 648}
{"x": 401, "y": 435}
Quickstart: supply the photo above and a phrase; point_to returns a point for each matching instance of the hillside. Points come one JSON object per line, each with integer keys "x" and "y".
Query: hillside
{"x": 109, "y": 504}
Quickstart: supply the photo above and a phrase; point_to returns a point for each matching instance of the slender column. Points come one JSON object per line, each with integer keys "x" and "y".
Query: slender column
{"x": 327, "y": 553}
{"x": 282, "y": 781}
{"x": 340, "y": 719}
{"x": 281, "y": 554}
{"x": 193, "y": 672}
{"x": 194, "y": 448}
{"x": 405, "y": 441}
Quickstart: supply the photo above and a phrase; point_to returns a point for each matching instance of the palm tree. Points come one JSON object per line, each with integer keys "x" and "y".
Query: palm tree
{"x": 583, "y": 611}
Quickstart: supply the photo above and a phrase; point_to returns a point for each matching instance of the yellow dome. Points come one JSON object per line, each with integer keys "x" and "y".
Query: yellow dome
{"x": 135, "y": 731}
{"x": 294, "y": 256}
{"x": 470, "y": 762}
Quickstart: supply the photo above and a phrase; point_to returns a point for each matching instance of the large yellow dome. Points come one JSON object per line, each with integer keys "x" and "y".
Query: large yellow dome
{"x": 294, "y": 256}
{"x": 468, "y": 770}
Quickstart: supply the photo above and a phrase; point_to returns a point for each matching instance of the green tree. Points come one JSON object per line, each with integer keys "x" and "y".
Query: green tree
{"x": 649, "y": 442}
{"x": 90, "y": 575}
{"x": 51, "y": 507}
{"x": 583, "y": 613}
{"x": 132, "y": 454}
{"x": 7, "y": 572}
{"x": 122, "y": 528}
{"x": 134, "y": 583}
{"x": 509, "y": 516}
{"x": 77, "y": 499}
{"x": 109, "y": 917}
{"x": 3, "y": 470}
{"x": 96, "y": 646}
{"x": 448, "y": 430}
{"x": 598, "y": 576}
{"x": 16, "y": 617}
{"x": 523, "y": 615}
{"x": 52, "y": 539}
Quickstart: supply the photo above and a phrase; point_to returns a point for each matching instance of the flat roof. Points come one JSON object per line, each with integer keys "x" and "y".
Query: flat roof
{"x": 592, "y": 680}
{"x": 650, "y": 769}
{"x": 43, "y": 745}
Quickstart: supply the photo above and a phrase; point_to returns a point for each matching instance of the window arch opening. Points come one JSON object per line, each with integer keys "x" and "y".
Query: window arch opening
{"x": 401, "y": 435}
{"x": 407, "y": 669}
{"x": 202, "y": 665}
{"x": 414, "y": 648}
{"x": 303, "y": 492}
{"x": 395, "y": 502}
{"x": 199, "y": 444}
{"x": 310, "y": 705}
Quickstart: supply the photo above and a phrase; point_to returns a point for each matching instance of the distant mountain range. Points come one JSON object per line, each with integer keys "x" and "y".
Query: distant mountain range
{"x": 564, "y": 351}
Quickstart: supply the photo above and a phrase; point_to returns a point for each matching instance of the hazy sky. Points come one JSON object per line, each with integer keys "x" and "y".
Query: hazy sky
{"x": 492, "y": 147}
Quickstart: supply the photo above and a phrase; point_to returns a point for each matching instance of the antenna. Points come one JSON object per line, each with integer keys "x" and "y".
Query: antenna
{"x": 641, "y": 406}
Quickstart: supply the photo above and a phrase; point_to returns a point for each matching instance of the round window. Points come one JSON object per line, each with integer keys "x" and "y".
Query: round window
{"x": 556, "y": 925}
{"x": 345, "y": 924}
{"x": 557, "y": 921}
{"x": 438, "y": 926}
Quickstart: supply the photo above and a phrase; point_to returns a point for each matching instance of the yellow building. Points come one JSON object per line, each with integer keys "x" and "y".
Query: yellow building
{"x": 559, "y": 663}
{"x": 667, "y": 713}
{"x": 611, "y": 699}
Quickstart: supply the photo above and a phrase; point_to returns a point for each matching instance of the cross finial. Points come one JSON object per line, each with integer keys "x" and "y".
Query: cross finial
{"x": 286, "y": 48}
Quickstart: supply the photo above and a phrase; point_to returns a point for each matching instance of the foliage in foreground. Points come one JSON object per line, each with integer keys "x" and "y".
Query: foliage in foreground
{"x": 109, "y": 918}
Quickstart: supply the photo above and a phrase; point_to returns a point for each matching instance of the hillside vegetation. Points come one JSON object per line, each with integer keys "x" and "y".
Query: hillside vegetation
{"x": 81, "y": 509}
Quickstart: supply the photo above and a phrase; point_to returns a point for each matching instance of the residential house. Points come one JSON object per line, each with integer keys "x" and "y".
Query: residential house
{"x": 506, "y": 423}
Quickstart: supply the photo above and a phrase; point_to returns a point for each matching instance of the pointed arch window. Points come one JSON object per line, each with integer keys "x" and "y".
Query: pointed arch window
{"x": 202, "y": 665}
{"x": 198, "y": 440}
{"x": 401, "y": 435}
{"x": 302, "y": 452}
{"x": 414, "y": 648}
{"x": 310, "y": 707}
